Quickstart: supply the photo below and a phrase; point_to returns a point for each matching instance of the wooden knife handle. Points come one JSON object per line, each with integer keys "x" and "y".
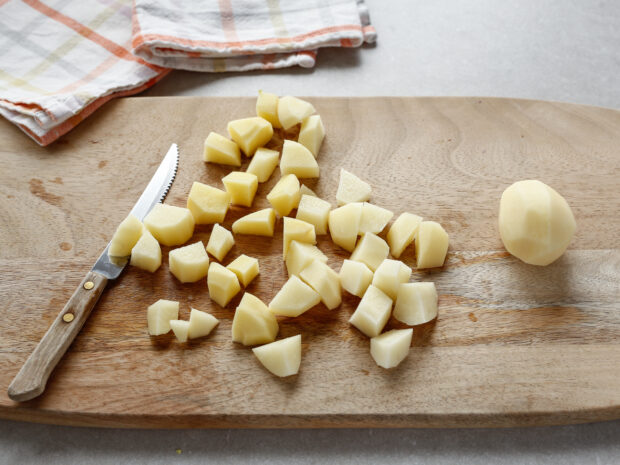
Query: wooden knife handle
{"x": 32, "y": 378}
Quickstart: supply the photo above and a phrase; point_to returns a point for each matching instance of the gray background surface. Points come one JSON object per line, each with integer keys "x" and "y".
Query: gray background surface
{"x": 566, "y": 50}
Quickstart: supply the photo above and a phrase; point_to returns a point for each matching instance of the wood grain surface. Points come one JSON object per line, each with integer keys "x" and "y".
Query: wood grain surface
{"x": 513, "y": 345}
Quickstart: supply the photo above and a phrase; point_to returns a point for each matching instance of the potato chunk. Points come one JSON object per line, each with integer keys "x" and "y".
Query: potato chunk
{"x": 146, "y": 254}
{"x": 207, "y": 204}
{"x": 391, "y": 347}
{"x": 416, "y": 303}
{"x": 259, "y": 223}
{"x": 250, "y": 133}
{"x": 190, "y": 263}
{"x": 296, "y": 230}
{"x": 220, "y": 242}
{"x": 374, "y": 219}
{"x": 159, "y": 314}
{"x": 200, "y": 324}
{"x": 267, "y": 107}
{"x": 390, "y": 275}
{"x": 344, "y": 225}
{"x": 355, "y": 277}
{"x": 294, "y": 298}
{"x": 298, "y": 160}
{"x": 284, "y": 196}
{"x": 246, "y": 269}
{"x": 312, "y": 134}
{"x": 305, "y": 190}
{"x": 301, "y": 255}
{"x": 125, "y": 237}
{"x": 219, "y": 149}
{"x": 292, "y": 111}
{"x": 282, "y": 358}
{"x": 351, "y": 189}
{"x": 263, "y": 163}
{"x": 372, "y": 313}
{"x": 170, "y": 225}
{"x": 325, "y": 281}
{"x": 431, "y": 245}
{"x": 241, "y": 186}
{"x": 253, "y": 323}
{"x": 371, "y": 250}
{"x": 222, "y": 283}
{"x": 315, "y": 211}
{"x": 180, "y": 329}
{"x": 402, "y": 232}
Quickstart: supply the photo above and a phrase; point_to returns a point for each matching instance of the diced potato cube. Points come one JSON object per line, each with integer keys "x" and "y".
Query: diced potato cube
{"x": 246, "y": 269}
{"x": 292, "y": 110}
{"x": 344, "y": 223}
{"x": 294, "y": 298}
{"x": 159, "y": 314}
{"x": 267, "y": 107}
{"x": 301, "y": 255}
{"x": 170, "y": 225}
{"x": 351, "y": 189}
{"x": 325, "y": 281}
{"x": 355, "y": 277}
{"x": 431, "y": 245}
{"x": 180, "y": 329}
{"x": 312, "y": 133}
{"x": 305, "y": 190}
{"x": 402, "y": 232}
{"x": 219, "y": 149}
{"x": 282, "y": 358}
{"x": 374, "y": 219}
{"x": 372, "y": 313}
{"x": 296, "y": 230}
{"x": 241, "y": 186}
{"x": 200, "y": 323}
{"x": 390, "y": 275}
{"x": 190, "y": 263}
{"x": 315, "y": 211}
{"x": 298, "y": 160}
{"x": 250, "y": 133}
{"x": 146, "y": 254}
{"x": 253, "y": 323}
{"x": 391, "y": 347}
{"x": 416, "y": 303}
{"x": 125, "y": 237}
{"x": 207, "y": 204}
{"x": 263, "y": 163}
{"x": 284, "y": 196}
{"x": 222, "y": 283}
{"x": 259, "y": 223}
{"x": 220, "y": 242}
{"x": 371, "y": 250}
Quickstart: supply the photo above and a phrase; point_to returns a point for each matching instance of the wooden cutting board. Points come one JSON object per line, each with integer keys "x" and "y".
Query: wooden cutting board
{"x": 513, "y": 345}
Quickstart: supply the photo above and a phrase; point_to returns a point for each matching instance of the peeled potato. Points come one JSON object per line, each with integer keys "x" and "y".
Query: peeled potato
{"x": 220, "y": 242}
{"x": 146, "y": 254}
{"x": 416, "y": 303}
{"x": 391, "y": 347}
{"x": 355, "y": 277}
{"x": 298, "y": 160}
{"x": 207, "y": 203}
{"x": 267, "y": 107}
{"x": 325, "y": 281}
{"x": 431, "y": 245}
{"x": 292, "y": 110}
{"x": 222, "y": 283}
{"x": 402, "y": 232}
{"x": 253, "y": 323}
{"x": 351, "y": 189}
{"x": 373, "y": 312}
{"x": 284, "y": 196}
{"x": 180, "y": 329}
{"x": 190, "y": 263}
{"x": 282, "y": 358}
{"x": 314, "y": 210}
{"x": 170, "y": 225}
{"x": 390, "y": 275}
{"x": 259, "y": 223}
{"x": 263, "y": 163}
{"x": 250, "y": 133}
{"x": 371, "y": 250}
{"x": 312, "y": 133}
{"x": 344, "y": 225}
{"x": 296, "y": 230}
{"x": 125, "y": 237}
{"x": 200, "y": 323}
{"x": 374, "y": 218}
{"x": 241, "y": 186}
{"x": 300, "y": 255}
{"x": 294, "y": 298}
{"x": 218, "y": 149}
{"x": 246, "y": 269}
{"x": 159, "y": 315}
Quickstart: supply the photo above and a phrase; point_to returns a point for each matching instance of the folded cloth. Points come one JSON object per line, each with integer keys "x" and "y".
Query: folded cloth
{"x": 243, "y": 35}
{"x": 60, "y": 60}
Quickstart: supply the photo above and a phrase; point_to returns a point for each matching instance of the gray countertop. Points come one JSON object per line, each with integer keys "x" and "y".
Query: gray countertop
{"x": 566, "y": 50}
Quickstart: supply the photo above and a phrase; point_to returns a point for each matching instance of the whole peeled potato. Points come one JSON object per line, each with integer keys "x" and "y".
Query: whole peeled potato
{"x": 535, "y": 222}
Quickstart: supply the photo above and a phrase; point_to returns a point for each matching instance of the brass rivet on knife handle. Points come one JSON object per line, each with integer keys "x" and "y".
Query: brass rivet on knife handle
{"x": 68, "y": 317}
{"x": 88, "y": 285}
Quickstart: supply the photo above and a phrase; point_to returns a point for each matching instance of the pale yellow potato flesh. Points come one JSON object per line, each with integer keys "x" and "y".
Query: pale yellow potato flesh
{"x": 391, "y": 347}
{"x": 146, "y": 254}
{"x": 282, "y": 358}
{"x": 245, "y": 267}
{"x": 159, "y": 315}
{"x": 294, "y": 298}
{"x": 314, "y": 210}
{"x": 170, "y": 225}
{"x": 267, "y": 107}
{"x": 190, "y": 263}
{"x": 222, "y": 283}
{"x": 305, "y": 190}
{"x": 208, "y": 204}
{"x": 285, "y": 195}
{"x": 253, "y": 323}
{"x": 373, "y": 312}
{"x": 344, "y": 225}
{"x": 355, "y": 277}
{"x": 263, "y": 163}
{"x": 390, "y": 275}
{"x": 241, "y": 186}
{"x": 125, "y": 237}
{"x": 180, "y": 328}
{"x": 536, "y": 223}
{"x": 219, "y": 149}
{"x": 351, "y": 189}
{"x": 220, "y": 242}
{"x": 200, "y": 323}
{"x": 325, "y": 281}
{"x": 374, "y": 218}
{"x": 431, "y": 245}
{"x": 292, "y": 111}
{"x": 298, "y": 160}
{"x": 250, "y": 133}
{"x": 371, "y": 250}
{"x": 312, "y": 133}
{"x": 301, "y": 255}
{"x": 416, "y": 303}
{"x": 296, "y": 230}
{"x": 402, "y": 232}
{"x": 259, "y": 223}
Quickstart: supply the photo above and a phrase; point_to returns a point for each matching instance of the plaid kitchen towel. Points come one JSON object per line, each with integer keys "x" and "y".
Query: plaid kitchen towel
{"x": 243, "y": 35}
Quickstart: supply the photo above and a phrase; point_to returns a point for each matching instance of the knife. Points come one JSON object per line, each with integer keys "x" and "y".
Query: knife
{"x": 32, "y": 378}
